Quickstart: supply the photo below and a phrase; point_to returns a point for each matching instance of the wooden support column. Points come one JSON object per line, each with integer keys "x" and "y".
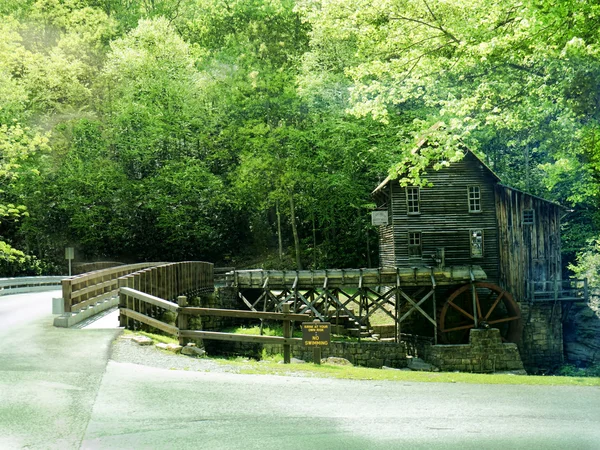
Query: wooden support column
{"x": 182, "y": 319}
{"x": 287, "y": 333}
{"x": 435, "y": 327}
{"x": 122, "y": 304}
{"x": 67, "y": 291}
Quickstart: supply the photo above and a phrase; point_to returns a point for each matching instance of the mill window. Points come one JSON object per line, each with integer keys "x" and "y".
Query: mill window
{"x": 414, "y": 244}
{"x": 412, "y": 200}
{"x": 474, "y": 199}
{"x": 528, "y": 217}
{"x": 476, "y": 237}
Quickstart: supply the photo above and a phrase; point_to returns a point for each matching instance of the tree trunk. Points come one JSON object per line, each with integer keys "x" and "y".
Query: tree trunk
{"x": 295, "y": 232}
{"x": 279, "y": 230}
{"x": 314, "y": 230}
{"x": 368, "y": 250}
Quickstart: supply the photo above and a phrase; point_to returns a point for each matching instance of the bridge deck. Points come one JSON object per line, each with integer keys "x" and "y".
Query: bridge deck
{"x": 335, "y": 278}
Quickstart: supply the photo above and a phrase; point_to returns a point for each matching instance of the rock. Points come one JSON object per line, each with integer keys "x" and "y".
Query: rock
{"x": 142, "y": 340}
{"x": 192, "y": 350}
{"x": 175, "y": 348}
{"x": 297, "y": 361}
{"x": 418, "y": 364}
{"x": 512, "y": 372}
{"x": 582, "y": 333}
{"x": 404, "y": 369}
{"x": 336, "y": 361}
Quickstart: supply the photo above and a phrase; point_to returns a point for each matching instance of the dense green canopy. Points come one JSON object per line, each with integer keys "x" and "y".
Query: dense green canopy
{"x": 252, "y": 131}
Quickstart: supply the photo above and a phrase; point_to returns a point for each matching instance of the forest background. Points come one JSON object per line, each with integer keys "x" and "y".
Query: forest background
{"x": 251, "y": 132}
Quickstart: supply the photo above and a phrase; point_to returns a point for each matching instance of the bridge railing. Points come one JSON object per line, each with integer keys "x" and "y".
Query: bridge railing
{"x": 85, "y": 267}
{"x": 90, "y": 288}
{"x": 558, "y": 290}
{"x": 170, "y": 280}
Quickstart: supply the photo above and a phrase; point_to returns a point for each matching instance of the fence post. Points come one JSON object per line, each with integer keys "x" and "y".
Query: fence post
{"x": 287, "y": 333}
{"x": 182, "y": 318}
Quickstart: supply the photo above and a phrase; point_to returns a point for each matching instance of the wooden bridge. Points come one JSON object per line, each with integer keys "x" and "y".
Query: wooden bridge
{"x": 347, "y": 297}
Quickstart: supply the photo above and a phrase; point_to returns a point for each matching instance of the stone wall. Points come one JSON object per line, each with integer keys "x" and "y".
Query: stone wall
{"x": 485, "y": 353}
{"x": 223, "y": 298}
{"x": 541, "y": 347}
{"x": 366, "y": 354}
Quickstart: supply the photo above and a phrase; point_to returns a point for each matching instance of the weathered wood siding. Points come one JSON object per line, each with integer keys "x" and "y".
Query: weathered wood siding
{"x": 445, "y": 220}
{"x": 527, "y": 252}
{"x": 386, "y": 246}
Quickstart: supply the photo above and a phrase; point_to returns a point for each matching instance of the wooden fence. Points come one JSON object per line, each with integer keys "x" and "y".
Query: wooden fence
{"x": 90, "y": 288}
{"x": 139, "y": 310}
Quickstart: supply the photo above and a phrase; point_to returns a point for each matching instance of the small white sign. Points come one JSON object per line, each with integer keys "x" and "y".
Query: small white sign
{"x": 379, "y": 217}
{"x": 69, "y": 253}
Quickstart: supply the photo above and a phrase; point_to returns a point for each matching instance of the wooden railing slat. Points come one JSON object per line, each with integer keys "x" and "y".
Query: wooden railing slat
{"x": 241, "y": 314}
{"x": 194, "y": 334}
{"x": 149, "y": 321}
{"x": 156, "y": 301}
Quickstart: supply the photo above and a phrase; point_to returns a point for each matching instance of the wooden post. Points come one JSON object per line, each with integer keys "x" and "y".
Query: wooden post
{"x": 182, "y": 318}
{"x": 287, "y": 333}
{"x": 317, "y": 355}
{"x": 67, "y": 290}
{"x": 122, "y": 303}
{"x": 317, "y": 351}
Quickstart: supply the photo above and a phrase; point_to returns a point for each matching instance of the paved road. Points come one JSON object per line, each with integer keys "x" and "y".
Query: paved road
{"x": 49, "y": 377}
{"x": 57, "y": 390}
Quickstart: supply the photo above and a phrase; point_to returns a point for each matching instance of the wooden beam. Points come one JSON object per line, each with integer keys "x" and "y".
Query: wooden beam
{"x": 194, "y": 334}
{"x": 156, "y": 301}
{"x": 149, "y": 321}
{"x": 194, "y": 311}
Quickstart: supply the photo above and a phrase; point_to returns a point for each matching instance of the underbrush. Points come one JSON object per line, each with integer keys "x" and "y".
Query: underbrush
{"x": 570, "y": 370}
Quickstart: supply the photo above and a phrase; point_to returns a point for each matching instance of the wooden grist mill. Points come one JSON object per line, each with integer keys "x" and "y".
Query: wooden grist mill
{"x": 467, "y": 252}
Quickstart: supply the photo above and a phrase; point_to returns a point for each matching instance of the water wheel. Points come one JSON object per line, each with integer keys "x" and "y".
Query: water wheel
{"x": 496, "y": 308}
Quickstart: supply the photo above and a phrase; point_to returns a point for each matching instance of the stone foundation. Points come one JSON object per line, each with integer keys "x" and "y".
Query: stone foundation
{"x": 541, "y": 347}
{"x": 223, "y": 298}
{"x": 485, "y": 353}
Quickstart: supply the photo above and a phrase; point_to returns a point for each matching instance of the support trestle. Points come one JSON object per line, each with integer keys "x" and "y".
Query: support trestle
{"x": 354, "y": 305}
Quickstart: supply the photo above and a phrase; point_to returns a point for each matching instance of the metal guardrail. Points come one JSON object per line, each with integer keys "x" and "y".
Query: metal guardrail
{"x": 18, "y": 285}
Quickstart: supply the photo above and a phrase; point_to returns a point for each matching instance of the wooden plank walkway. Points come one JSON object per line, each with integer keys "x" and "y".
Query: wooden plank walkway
{"x": 337, "y": 278}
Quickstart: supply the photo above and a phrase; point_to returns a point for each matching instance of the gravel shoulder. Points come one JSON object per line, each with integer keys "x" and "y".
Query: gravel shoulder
{"x": 124, "y": 350}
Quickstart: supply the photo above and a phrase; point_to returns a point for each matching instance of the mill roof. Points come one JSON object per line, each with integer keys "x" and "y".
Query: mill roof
{"x": 423, "y": 141}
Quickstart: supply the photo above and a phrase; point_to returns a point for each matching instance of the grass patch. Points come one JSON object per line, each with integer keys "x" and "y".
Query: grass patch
{"x": 272, "y": 367}
{"x": 156, "y": 337}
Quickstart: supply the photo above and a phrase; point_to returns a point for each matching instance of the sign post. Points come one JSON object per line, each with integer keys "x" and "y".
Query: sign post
{"x": 70, "y": 255}
{"x": 316, "y": 335}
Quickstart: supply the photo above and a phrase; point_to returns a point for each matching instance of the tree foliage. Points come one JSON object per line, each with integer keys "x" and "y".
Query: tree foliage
{"x": 195, "y": 129}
